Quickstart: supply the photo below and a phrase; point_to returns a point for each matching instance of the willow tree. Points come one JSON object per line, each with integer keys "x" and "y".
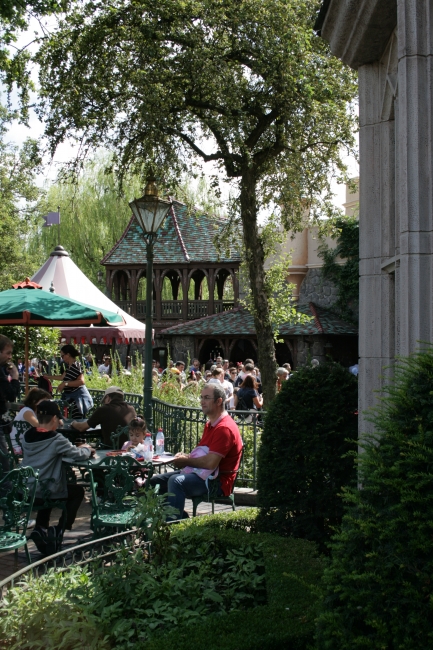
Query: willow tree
{"x": 244, "y": 85}
{"x": 93, "y": 215}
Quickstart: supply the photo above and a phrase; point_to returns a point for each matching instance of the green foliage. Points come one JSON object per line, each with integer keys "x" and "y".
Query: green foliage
{"x": 378, "y": 588}
{"x": 93, "y": 215}
{"x": 152, "y": 81}
{"x": 32, "y": 615}
{"x": 18, "y": 190}
{"x": 345, "y": 276}
{"x": 43, "y": 341}
{"x": 286, "y": 620}
{"x": 304, "y": 459}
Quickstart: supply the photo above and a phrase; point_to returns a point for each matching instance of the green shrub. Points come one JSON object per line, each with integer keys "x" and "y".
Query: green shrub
{"x": 41, "y": 613}
{"x": 379, "y": 587}
{"x": 303, "y": 460}
{"x": 218, "y": 586}
{"x": 292, "y": 569}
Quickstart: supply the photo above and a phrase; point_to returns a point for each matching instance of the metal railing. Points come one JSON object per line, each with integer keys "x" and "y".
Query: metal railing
{"x": 98, "y": 553}
{"x": 131, "y": 398}
{"x": 183, "y": 428}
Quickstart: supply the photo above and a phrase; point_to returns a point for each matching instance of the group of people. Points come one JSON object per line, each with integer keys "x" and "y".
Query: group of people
{"x": 241, "y": 383}
{"x": 44, "y": 447}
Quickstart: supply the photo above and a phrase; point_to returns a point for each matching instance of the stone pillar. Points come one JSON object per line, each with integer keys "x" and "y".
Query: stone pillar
{"x": 414, "y": 187}
{"x": 377, "y": 91}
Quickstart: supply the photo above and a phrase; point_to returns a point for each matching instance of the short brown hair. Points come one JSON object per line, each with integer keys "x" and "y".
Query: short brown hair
{"x": 4, "y": 341}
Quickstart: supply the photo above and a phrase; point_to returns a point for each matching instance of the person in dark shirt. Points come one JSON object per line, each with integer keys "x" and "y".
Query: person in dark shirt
{"x": 72, "y": 386}
{"x": 114, "y": 411}
{"x": 247, "y": 397}
{"x": 9, "y": 392}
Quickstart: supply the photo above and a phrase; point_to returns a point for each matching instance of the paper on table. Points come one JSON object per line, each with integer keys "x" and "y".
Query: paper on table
{"x": 163, "y": 459}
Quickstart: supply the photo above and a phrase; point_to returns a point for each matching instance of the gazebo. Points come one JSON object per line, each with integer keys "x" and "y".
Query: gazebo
{"x": 192, "y": 278}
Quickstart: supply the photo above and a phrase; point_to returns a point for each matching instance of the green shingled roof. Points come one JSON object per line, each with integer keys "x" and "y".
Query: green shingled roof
{"x": 183, "y": 238}
{"x": 239, "y": 322}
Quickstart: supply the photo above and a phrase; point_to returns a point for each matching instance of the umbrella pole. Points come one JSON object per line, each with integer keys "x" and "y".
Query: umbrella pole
{"x": 26, "y": 360}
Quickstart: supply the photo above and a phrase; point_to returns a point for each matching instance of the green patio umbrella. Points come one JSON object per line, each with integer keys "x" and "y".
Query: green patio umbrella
{"x": 30, "y": 308}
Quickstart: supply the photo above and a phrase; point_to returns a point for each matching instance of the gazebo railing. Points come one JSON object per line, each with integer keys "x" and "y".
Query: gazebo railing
{"x": 183, "y": 428}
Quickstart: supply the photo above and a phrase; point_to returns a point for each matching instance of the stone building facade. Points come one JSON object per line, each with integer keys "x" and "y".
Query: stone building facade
{"x": 390, "y": 44}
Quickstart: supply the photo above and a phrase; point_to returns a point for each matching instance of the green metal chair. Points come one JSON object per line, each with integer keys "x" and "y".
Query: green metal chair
{"x": 117, "y": 434}
{"x": 21, "y": 428}
{"x": 16, "y": 502}
{"x": 11, "y": 462}
{"x": 113, "y": 505}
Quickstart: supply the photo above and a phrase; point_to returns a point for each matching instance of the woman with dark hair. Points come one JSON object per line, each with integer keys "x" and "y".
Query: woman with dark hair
{"x": 28, "y": 413}
{"x": 72, "y": 384}
{"x": 247, "y": 397}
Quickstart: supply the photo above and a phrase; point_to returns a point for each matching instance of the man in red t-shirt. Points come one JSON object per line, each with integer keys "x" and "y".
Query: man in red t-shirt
{"x": 218, "y": 452}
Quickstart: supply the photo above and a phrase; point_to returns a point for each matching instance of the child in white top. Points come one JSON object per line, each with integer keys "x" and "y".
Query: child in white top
{"x": 137, "y": 433}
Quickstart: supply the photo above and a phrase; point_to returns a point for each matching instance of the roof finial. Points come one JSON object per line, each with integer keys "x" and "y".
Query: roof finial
{"x": 52, "y": 290}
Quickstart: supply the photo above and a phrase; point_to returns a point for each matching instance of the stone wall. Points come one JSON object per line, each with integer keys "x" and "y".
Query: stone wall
{"x": 181, "y": 347}
{"x": 313, "y": 348}
{"x": 315, "y": 288}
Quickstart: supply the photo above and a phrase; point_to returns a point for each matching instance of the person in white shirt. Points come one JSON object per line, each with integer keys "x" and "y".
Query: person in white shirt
{"x": 218, "y": 377}
{"x": 104, "y": 368}
{"x": 28, "y": 413}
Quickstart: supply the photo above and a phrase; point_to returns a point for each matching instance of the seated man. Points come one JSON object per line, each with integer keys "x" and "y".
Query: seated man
{"x": 220, "y": 448}
{"x": 114, "y": 411}
{"x": 43, "y": 449}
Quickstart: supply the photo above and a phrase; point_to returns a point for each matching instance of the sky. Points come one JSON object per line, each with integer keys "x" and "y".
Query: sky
{"x": 18, "y": 133}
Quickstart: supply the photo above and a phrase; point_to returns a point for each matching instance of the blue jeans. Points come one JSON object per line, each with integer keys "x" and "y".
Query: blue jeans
{"x": 181, "y": 486}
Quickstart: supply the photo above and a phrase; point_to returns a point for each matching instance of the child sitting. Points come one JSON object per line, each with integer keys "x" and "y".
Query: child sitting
{"x": 137, "y": 431}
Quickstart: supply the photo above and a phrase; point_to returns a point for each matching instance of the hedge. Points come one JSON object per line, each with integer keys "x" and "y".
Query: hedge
{"x": 293, "y": 569}
{"x": 379, "y": 586}
{"x": 307, "y": 453}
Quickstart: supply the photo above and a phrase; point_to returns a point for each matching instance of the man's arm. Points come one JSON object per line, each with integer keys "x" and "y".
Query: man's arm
{"x": 210, "y": 461}
{"x": 80, "y": 426}
{"x": 10, "y": 389}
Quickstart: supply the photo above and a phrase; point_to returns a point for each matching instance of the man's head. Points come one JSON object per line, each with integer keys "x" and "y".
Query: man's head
{"x": 6, "y": 347}
{"x": 282, "y": 374}
{"x": 226, "y": 364}
{"x": 287, "y": 366}
{"x": 112, "y": 394}
{"x": 213, "y": 399}
{"x": 249, "y": 368}
{"x": 196, "y": 363}
{"x": 180, "y": 365}
{"x": 218, "y": 373}
{"x": 248, "y": 361}
{"x": 219, "y": 360}
{"x": 49, "y": 414}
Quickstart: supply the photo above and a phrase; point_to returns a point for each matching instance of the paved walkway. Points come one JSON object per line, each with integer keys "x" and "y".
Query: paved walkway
{"x": 81, "y": 533}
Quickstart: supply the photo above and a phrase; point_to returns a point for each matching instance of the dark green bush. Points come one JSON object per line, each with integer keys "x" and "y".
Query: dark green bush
{"x": 379, "y": 587}
{"x": 292, "y": 569}
{"x": 303, "y": 460}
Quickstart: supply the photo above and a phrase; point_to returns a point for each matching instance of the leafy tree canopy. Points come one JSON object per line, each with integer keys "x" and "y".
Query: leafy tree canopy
{"x": 43, "y": 341}
{"x": 14, "y": 18}
{"x": 19, "y": 192}
{"x": 245, "y": 85}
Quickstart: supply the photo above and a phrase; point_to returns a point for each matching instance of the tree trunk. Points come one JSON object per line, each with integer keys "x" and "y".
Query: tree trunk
{"x": 255, "y": 260}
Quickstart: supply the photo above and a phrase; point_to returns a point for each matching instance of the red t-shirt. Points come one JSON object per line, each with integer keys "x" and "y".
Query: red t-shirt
{"x": 225, "y": 440}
